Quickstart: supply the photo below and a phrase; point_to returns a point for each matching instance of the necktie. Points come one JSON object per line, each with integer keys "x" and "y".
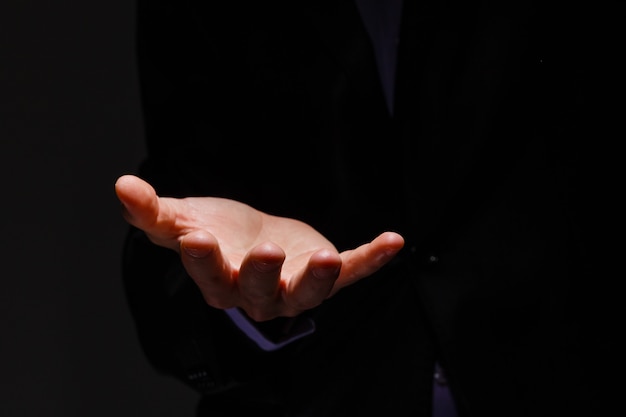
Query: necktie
{"x": 382, "y": 21}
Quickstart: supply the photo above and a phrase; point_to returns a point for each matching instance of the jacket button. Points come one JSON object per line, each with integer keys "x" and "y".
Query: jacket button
{"x": 439, "y": 376}
{"x": 432, "y": 259}
{"x": 427, "y": 259}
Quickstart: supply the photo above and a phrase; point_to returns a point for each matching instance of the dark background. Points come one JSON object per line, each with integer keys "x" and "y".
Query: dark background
{"x": 70, "y": 124}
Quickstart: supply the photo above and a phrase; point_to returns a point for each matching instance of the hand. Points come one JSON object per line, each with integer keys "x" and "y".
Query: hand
{"x": 241, "y": 257}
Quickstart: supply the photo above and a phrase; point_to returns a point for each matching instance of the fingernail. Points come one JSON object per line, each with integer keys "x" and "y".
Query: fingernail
{"x": 196, "y": 252}
{"x": 266, "y": 266}
{"x": 326, "y": 273}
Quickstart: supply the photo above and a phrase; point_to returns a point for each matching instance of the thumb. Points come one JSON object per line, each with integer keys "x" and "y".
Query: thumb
{"x": 139, "y": 199}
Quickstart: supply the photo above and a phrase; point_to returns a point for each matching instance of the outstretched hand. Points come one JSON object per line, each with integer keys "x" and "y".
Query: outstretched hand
{"x": 241, "y": 257}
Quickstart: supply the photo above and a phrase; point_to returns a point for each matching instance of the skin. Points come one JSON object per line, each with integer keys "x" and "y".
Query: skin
{"x": 238, "y": 256}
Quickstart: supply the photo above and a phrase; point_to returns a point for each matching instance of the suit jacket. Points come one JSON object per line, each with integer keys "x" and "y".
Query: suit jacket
{"x": 279, "y": 105}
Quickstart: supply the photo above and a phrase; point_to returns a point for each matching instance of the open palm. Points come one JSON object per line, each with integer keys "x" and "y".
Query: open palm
{"x": 240, "y": 257}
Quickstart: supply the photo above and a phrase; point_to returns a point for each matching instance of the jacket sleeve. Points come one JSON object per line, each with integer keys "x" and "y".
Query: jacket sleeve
{"x": 177, "y": 330}
{"x": 185, "y": 338}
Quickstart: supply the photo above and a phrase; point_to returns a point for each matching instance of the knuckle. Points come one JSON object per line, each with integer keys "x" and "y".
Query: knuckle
{"x": 301, "y": 304}
{"x": 218, "y": 302}
{"x": 259, "y": 298}
{"x": 260, "y": 315}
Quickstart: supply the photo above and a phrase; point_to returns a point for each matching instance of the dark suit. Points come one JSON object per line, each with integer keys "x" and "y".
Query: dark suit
{"x": 279, "y": 105}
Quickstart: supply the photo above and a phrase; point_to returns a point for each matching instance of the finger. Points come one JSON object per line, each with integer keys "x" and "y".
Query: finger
{"x": 314, "y": 285}
{"x": 142, "y": 208}
{"x": 139, "y": 200}
{"x": 368, "y": 258}
{"x": 203, "y": 261}
{"x": 259, "y": 281}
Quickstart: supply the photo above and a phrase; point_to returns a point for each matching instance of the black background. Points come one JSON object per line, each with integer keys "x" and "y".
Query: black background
{"x": 70, "y": 124}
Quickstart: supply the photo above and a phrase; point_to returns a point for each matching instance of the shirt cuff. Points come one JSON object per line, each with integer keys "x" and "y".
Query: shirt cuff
{"x": 273, "y": 334}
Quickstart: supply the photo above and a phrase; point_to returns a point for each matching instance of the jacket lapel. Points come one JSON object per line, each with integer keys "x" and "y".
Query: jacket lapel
{"x": 460, "y": 104}
{"x": 433, "y": 167}
{"x": 340, "y": 28}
